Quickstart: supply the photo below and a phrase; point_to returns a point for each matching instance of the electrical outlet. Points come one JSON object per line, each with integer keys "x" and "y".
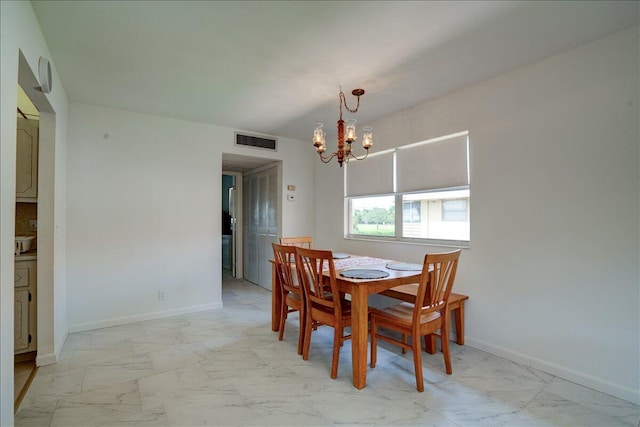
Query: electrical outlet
{"x": 33, "y": 224}
{"x": 160, "y": 295}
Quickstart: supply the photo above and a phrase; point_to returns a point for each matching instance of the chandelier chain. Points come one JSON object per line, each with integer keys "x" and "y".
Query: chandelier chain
{"x": 343, "y": 101}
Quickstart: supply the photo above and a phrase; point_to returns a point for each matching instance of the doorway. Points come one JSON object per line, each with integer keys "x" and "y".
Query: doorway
{"x": 46, "y": 266}
{"x": 229, "y": 221}
{"x": 246, "y": 257}
{"x": 25, "y": 265}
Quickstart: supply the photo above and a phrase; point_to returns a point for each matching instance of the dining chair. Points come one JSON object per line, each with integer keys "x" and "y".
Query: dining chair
{"x": 302, "y": 241}
{"x": 292, "y": 293}
{"x": 324, "y": 305}
{"x": 456, "y": 308}
{"x": 420, "y": 319}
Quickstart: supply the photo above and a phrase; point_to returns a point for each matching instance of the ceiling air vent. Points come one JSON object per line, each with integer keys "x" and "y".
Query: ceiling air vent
{"x": 256, "y": 141}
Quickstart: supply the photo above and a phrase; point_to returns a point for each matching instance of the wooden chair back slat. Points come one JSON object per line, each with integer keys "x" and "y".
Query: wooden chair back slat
{"x": 302, "y": 241}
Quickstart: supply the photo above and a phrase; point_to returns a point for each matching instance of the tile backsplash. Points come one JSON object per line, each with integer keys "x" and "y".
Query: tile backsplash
{"x": 26, "y": 212}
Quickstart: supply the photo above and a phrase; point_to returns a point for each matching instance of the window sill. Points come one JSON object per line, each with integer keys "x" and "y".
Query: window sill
{"x": 457, "y": 244}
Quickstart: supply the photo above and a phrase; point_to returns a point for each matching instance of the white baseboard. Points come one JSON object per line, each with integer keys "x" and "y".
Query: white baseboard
{"x": 51, "y": 358}
{"x": 563, "y": 372}
{"x": 81, "y": 327}
{"x": 46, "y": 359}
{"x": 61, "y": 343}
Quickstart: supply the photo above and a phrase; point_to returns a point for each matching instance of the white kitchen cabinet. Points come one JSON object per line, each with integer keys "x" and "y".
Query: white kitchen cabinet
{"x": 27, "y": 160}
{"x": 25, "y": 284}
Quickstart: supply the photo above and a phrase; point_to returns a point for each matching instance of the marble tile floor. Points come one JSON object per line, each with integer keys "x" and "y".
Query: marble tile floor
{"x": 226, "y": 367}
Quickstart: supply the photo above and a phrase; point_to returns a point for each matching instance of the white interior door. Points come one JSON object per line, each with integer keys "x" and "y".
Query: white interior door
{"x": 261, "y": 224}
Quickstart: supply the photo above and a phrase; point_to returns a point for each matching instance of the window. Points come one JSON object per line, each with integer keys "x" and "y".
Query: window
{"x": 411, "y": 211}
{"x": 418, "y": 192}
{"x": 455, "y": 210}
{"x": 441, "y": 220}
{"x": 373, "y": 216}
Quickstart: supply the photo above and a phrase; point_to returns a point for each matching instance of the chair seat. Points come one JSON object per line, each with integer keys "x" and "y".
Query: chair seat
{"x": 402, "y": 314}
{"x": 329, "y": 311}
{"x": 294, "y": 299}
{"x": 346, "y": 313}
{"x": 344, "y": 303}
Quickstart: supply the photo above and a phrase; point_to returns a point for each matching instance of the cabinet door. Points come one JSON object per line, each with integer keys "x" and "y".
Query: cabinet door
{"x": 22, "y": 273}
{"x": 27, "y": 158}
{"x": 25, "y": 274}
{"x": 25, "y": 313}
{"x": 21, "y": 320}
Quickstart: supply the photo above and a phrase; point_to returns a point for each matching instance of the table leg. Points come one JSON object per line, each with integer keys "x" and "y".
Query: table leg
{"x": 459, "y": 316}
{"x": 359, "y": 335}
{"x": 276, "y": 299}
{"x": 430, "y": 340}
{"x": 430, "y": 345}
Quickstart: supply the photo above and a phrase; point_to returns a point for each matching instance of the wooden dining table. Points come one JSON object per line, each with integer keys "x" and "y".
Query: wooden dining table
{"x": 359, "y": 289}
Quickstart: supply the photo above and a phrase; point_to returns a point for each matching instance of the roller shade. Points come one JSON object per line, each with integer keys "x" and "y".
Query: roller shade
{"x": 438, "y": 164}
{"x": 371, "y": 176}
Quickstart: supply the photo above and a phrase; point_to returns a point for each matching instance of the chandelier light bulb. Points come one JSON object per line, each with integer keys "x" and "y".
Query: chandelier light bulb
{"x": 367, "y": 137}
{"x": 318, "y": 135}
{"x": 322, "y": 147}
{"x": 351, "y": 131}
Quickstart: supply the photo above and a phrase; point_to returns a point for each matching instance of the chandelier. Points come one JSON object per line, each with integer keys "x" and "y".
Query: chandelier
{"x": 344, "y": 153}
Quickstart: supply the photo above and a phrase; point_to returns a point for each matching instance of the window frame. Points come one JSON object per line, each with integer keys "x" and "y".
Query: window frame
{"x": 398, "y": 199}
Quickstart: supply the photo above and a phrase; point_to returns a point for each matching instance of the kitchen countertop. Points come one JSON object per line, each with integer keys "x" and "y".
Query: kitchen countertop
{"x": 27, "y": 256}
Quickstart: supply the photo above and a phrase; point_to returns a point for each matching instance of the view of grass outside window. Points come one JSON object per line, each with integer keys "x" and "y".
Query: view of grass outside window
{"x": 427, "y": 190}
{"x": 373, "y": 216}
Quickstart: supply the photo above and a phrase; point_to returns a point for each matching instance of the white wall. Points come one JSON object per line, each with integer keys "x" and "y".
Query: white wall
{"x": 20, "y": 32}
{"x": 144, "y": 213}
{"x": 552, "y": 272}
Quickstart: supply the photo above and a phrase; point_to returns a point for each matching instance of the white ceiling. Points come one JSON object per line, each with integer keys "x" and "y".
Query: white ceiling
{"x": 275, "y": 68}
